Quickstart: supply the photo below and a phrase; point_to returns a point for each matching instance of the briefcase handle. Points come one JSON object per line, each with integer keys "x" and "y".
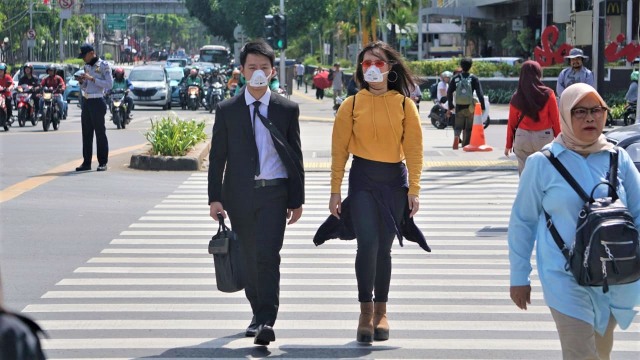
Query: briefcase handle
{"x": 221, "y": 225}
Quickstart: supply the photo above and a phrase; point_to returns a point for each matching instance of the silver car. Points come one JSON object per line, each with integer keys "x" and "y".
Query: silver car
{"x": 150, "y": 86}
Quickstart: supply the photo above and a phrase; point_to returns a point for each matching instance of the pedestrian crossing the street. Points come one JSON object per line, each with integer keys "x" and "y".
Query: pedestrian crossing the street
{"x": 151, "y": 292}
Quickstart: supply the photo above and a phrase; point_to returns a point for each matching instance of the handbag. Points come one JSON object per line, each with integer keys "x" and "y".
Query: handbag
{"x": 227, "y": 260}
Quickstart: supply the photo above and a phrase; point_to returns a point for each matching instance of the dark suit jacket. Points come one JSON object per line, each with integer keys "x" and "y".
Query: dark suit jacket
{"x": 234, "y": 153}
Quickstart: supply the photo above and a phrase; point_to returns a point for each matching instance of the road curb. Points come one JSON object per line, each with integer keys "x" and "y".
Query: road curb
{"x": 193, "y": 161}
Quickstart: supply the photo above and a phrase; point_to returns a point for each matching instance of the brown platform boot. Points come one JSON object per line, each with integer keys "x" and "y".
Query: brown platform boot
{"x": 456, "y": 142}
{"x": 380, "y": 323}
{"x": 365, "y": 324}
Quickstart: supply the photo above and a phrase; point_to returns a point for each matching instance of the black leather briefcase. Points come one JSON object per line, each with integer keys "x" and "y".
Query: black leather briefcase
{"x": 227, "y": 259}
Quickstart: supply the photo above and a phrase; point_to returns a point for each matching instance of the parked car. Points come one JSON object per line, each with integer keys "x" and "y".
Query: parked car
{"x": 151, "y": 86}
{"x": 175, "y": 75}
{"x": 628, "y": 138}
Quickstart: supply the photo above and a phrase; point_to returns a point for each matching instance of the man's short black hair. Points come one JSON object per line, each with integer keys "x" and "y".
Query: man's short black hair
{"x": 465, "y": 64}
{"x": 258, "y": 47}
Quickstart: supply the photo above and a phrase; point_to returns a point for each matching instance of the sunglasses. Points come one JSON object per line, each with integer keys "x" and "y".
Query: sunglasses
{"x": 378, "y": 63}
{"x": 581, "y": 112}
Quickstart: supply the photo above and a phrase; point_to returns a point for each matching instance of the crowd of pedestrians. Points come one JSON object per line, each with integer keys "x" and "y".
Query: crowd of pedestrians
{"x": 256, "y": 180}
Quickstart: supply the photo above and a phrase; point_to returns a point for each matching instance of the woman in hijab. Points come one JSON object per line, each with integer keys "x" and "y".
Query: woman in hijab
{"x": 533, "y": 115}
{"x": 585, "y": 316}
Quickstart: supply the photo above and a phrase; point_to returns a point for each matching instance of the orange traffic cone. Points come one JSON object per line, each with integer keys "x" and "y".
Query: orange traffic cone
{"x": 477, "y": 142}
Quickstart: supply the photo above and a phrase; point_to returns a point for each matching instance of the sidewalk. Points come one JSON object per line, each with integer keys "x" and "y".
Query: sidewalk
{"x": 438, "y": 152}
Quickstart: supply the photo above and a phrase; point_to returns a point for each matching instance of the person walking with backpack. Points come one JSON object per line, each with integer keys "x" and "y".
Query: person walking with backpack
{"x": 533, "y": 115}
{"x": 380, "y": 126}
{"x": 463, "y": 85}
{"x": 585, "y": 316}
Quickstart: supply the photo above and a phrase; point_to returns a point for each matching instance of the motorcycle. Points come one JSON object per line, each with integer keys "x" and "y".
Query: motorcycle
{"x": 438, "y": 115}
{"x": 629, "y": 115}
{"x": 26, "y": 105}
{"x": 216, "y": 94}
{"x": 4, "y": 121}
{"x": 50, "y": 111}
{"x": 193, "y": 96}
{"x": 118, "y": 108}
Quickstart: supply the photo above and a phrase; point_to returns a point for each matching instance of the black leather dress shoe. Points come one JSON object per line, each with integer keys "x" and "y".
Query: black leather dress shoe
{"x": 265, "y": 335}
{"x": 102, "y": 167}
{"x": 83, "y": 167}
{"x": 252, "y": 330}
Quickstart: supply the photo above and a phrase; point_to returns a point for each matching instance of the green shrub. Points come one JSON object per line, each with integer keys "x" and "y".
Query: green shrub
{"x": 617, "y": 111}
{"x": 172, "y": 136}
{"x": 78, "y": 62}
{"x": 613, "y": 99}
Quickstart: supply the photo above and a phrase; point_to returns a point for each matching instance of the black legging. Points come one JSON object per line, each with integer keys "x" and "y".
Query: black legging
{"x": 374, "y": 238}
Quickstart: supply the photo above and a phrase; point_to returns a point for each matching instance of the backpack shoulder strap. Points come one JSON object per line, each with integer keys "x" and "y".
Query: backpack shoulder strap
{"x": 613, "y": 173}
{"x": 566, "y": 175}
{"x": 552, "y": 228}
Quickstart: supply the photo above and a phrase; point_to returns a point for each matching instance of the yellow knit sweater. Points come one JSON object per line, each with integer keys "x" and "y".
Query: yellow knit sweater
{"x": 380, "y": 130}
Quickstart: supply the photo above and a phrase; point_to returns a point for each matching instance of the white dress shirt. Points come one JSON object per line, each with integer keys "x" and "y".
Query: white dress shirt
{"x": 271, "y": 167}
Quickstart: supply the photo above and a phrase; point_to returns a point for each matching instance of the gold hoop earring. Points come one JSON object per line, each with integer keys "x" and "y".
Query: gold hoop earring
{"x": 394, "y": 79}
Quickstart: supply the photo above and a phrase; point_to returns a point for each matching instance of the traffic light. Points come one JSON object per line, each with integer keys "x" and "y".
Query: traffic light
{"x": 269, "y": 35}
{"x": 280, "y": 31}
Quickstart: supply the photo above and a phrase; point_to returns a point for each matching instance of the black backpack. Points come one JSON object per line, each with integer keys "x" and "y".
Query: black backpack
{"x": 606, "y": 250}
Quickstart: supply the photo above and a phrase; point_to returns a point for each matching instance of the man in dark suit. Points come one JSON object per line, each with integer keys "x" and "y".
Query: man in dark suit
{"x": 256, "y": 175}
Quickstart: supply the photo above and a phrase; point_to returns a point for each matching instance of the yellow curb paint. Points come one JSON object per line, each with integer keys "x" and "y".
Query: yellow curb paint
{"x": 22, "y": 187}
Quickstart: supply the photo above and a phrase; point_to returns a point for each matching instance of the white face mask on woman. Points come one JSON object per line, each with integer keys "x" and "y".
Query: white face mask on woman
{"x": 373, "y": 75}
{"x": 259, "y": 79}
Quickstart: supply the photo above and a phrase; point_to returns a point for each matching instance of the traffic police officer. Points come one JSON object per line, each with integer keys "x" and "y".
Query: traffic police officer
{"x": 97, "y": 79}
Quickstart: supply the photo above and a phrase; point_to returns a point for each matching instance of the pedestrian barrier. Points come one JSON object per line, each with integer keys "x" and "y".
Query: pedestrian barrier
{"x": 477, "y": 142}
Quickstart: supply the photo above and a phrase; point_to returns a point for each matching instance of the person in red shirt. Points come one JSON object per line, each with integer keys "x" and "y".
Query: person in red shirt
{"x": 6, "y": 82}
{"x": 57, "y": 83}
{"x": 534, "y": 120}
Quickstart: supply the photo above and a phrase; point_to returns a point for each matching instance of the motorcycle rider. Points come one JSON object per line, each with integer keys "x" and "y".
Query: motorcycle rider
{"x": 7, "y": 83}
{"x": 57, "y": 84}
{"x": 30, "y": 80}
{"x": 232, "y": 84}
{"x": 194, "y": 80}
{"x": 632, "y": 94}
{"x": 122, "y": 83}
{"x": 181, "y": 85}
{"x": 443, "y": 84}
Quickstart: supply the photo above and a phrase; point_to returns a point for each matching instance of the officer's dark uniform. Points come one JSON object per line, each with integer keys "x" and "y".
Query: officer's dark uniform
{"x": 94, "y": 108}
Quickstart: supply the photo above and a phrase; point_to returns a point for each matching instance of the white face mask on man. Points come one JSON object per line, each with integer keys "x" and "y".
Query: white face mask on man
{"x": 373, "y": 75}
{"x": 259, "y": 79}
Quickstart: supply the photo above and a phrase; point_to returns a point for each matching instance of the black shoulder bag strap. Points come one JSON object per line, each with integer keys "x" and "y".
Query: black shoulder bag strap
{"x": 513, "y": 133}
{"x": 578, "y": 189}
{"x": 613, "y": 179}
{"x": 277, "y": 135}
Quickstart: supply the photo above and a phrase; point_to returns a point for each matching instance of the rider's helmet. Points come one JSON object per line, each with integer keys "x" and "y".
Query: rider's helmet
{"x": 216, "y": 71}
{"x": 51, "y": 67}
{"x": 446, "y": 74}
{"x": 3, "y": 67}
{"x": 193, "y": 72}
{"x": 186, "y": 71}
{"x": 119, "y": 73}
{"x": 28, "y": 65}
{"x": 635, "y": 75}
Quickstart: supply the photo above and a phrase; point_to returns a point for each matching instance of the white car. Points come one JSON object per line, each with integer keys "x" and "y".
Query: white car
{"x": 150, "y": 86}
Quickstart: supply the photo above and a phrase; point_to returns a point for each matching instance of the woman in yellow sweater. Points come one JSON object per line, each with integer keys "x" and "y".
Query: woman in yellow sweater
{"x": 381, "y": 129}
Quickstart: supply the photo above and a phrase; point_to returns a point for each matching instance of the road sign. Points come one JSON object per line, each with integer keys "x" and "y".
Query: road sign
{"x": 31, "y": 34}
{"x": 116, "y": 21}
{"x": 65, "y": 4}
